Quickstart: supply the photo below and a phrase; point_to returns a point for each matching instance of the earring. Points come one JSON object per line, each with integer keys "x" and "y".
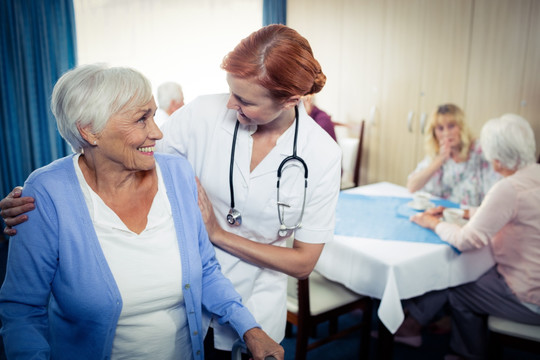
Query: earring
{"x": 95, "y": 142}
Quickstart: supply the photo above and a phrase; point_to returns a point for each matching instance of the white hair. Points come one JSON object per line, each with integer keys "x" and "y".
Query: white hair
{"x": 168, "y": 92}
{"x": 89, "y": 95}
{"x": 510, "y": 140}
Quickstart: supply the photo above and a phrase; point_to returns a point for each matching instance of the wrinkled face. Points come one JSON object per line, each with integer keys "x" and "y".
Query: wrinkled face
{"x": 447, "y": 131}
{"x": 252, "y": 102}
{"x": 129, "y": 138}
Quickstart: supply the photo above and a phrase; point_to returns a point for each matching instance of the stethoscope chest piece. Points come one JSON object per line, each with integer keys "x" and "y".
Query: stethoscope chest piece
{"x": 234, "y": 218}
{"x": 284, "y": 231}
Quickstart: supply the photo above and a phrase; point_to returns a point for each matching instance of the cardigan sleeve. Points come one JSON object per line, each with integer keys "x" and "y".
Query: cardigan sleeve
{"x": 219, "y": 296}
{"x": 32, "y": 263}
{"x": 216, "y": 293}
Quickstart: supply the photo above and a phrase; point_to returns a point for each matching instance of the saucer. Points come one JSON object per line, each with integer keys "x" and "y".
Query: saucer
{"x": 420, "y": 207}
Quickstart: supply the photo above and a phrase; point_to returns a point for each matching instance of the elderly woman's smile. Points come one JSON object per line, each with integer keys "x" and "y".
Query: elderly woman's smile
{"x": 147, "y": 149}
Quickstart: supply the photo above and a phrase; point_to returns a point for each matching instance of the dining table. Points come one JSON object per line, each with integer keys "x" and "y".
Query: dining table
{"x": 378, "y": 252}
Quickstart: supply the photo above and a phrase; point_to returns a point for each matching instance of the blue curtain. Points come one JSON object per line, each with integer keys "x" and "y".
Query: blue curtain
{"x": 38, "y": 44}
{"x": 274, "y": 12}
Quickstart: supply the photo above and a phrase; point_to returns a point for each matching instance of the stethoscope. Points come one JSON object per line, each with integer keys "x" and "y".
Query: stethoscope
{"x": 234, "y": 218}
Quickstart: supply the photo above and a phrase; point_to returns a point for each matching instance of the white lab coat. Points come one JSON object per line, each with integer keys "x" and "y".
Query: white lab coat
{"x": 202, "y": 131}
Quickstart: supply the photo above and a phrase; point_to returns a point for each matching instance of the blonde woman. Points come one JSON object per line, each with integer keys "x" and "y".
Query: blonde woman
{"x": 454, "y": 167}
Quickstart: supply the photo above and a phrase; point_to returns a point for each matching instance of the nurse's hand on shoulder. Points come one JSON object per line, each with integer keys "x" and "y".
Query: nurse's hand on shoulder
{"x": 12, "y": 207}
{"x": 262, "y": 346}
{"x": 207, "y": 210}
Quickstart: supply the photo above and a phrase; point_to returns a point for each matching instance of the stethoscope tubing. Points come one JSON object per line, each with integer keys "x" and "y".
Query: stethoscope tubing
{"x": 234, "y": 217}
{"x": 231, "y": 166}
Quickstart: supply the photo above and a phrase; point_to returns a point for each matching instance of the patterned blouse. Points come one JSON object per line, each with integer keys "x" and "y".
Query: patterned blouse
{"x": 465, "y": 183}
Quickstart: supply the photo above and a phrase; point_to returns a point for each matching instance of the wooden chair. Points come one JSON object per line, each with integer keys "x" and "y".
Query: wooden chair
{"x": 346, "y": 182}
{"x": 503, "y": 332}
{"x": 315, "y": 300}
{"x": 358, "y": 161}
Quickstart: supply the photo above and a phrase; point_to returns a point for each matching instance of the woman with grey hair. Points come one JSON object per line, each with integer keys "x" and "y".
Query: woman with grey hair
{"x": 507, "y": 221}
{"x": 115, "y": 263}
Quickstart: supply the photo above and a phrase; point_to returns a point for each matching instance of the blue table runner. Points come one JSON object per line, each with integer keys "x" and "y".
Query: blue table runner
{"x": 382, "y": 217}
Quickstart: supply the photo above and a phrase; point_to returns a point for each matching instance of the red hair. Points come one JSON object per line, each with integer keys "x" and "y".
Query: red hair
{"x": 280, "y": 59}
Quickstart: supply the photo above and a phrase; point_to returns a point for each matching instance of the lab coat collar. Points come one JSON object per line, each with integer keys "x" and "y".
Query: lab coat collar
{"x": 283, "y": 148}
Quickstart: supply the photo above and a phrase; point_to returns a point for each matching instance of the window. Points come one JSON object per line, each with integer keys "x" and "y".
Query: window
{"x": 167, "y": 40}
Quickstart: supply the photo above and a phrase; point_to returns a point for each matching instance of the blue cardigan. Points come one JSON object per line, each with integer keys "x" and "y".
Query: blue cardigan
{"x": 59, "y": 299}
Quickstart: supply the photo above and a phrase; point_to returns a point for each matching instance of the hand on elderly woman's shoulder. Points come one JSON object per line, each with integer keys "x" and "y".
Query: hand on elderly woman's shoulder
{"x": 12, "y": 207}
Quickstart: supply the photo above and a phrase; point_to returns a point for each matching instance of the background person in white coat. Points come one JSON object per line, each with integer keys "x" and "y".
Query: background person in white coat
{"x": 170, "y": 98}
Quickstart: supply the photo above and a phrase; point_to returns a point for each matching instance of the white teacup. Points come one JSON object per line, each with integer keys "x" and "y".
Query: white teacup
{"x": 421, "y": 200}
{"x": 453, "y": 215}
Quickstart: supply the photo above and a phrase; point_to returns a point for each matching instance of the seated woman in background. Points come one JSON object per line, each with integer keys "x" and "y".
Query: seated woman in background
{"x": 454, "y": 167}
{"x": 115, "y": 262}
{"x": 508, "y": 222}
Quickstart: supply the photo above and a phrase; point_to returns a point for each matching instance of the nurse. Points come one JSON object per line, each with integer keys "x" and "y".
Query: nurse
{"x": 236, "y": 142}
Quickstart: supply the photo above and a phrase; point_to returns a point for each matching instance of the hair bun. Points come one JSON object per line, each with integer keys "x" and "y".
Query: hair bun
{"x": 318, "y": 83}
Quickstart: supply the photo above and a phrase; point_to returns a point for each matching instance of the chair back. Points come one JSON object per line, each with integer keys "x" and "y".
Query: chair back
{"x": 351, "y": 147}
{"x": 315, "y": 300}
{"x": 358, "y": 161}
{"x": 504, "y": 332}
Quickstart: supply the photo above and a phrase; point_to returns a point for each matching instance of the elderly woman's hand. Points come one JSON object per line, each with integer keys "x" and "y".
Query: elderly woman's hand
{"x": 426, "y": 220}
{"x": 262, "y": 346}
{"x": 207, "y": 210}
{"x": 436, "y": 211}
{"x": 445, "y": 150}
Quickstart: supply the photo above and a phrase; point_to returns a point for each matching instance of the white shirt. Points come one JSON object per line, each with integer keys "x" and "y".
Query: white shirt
{"x": 203, "y": 131}
{"x": 147, "y": 270}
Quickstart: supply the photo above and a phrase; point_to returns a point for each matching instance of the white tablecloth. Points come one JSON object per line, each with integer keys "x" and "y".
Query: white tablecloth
{"x": 393, "y": 270}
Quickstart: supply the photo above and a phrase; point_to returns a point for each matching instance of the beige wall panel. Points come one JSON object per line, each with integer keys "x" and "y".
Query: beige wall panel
{"x": 400, "y": 91}
{"x": 319, "y": 21}
{"x": 530, "y": 104}
{"x": 361, "y": 61}
{"x": 498, "y": 49}
{"x": 445, "y": 57}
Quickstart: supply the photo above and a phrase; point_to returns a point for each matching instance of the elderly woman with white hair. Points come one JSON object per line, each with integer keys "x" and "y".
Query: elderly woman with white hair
{"x": 508, "y": 222}
{"x": 115, "y": 262}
